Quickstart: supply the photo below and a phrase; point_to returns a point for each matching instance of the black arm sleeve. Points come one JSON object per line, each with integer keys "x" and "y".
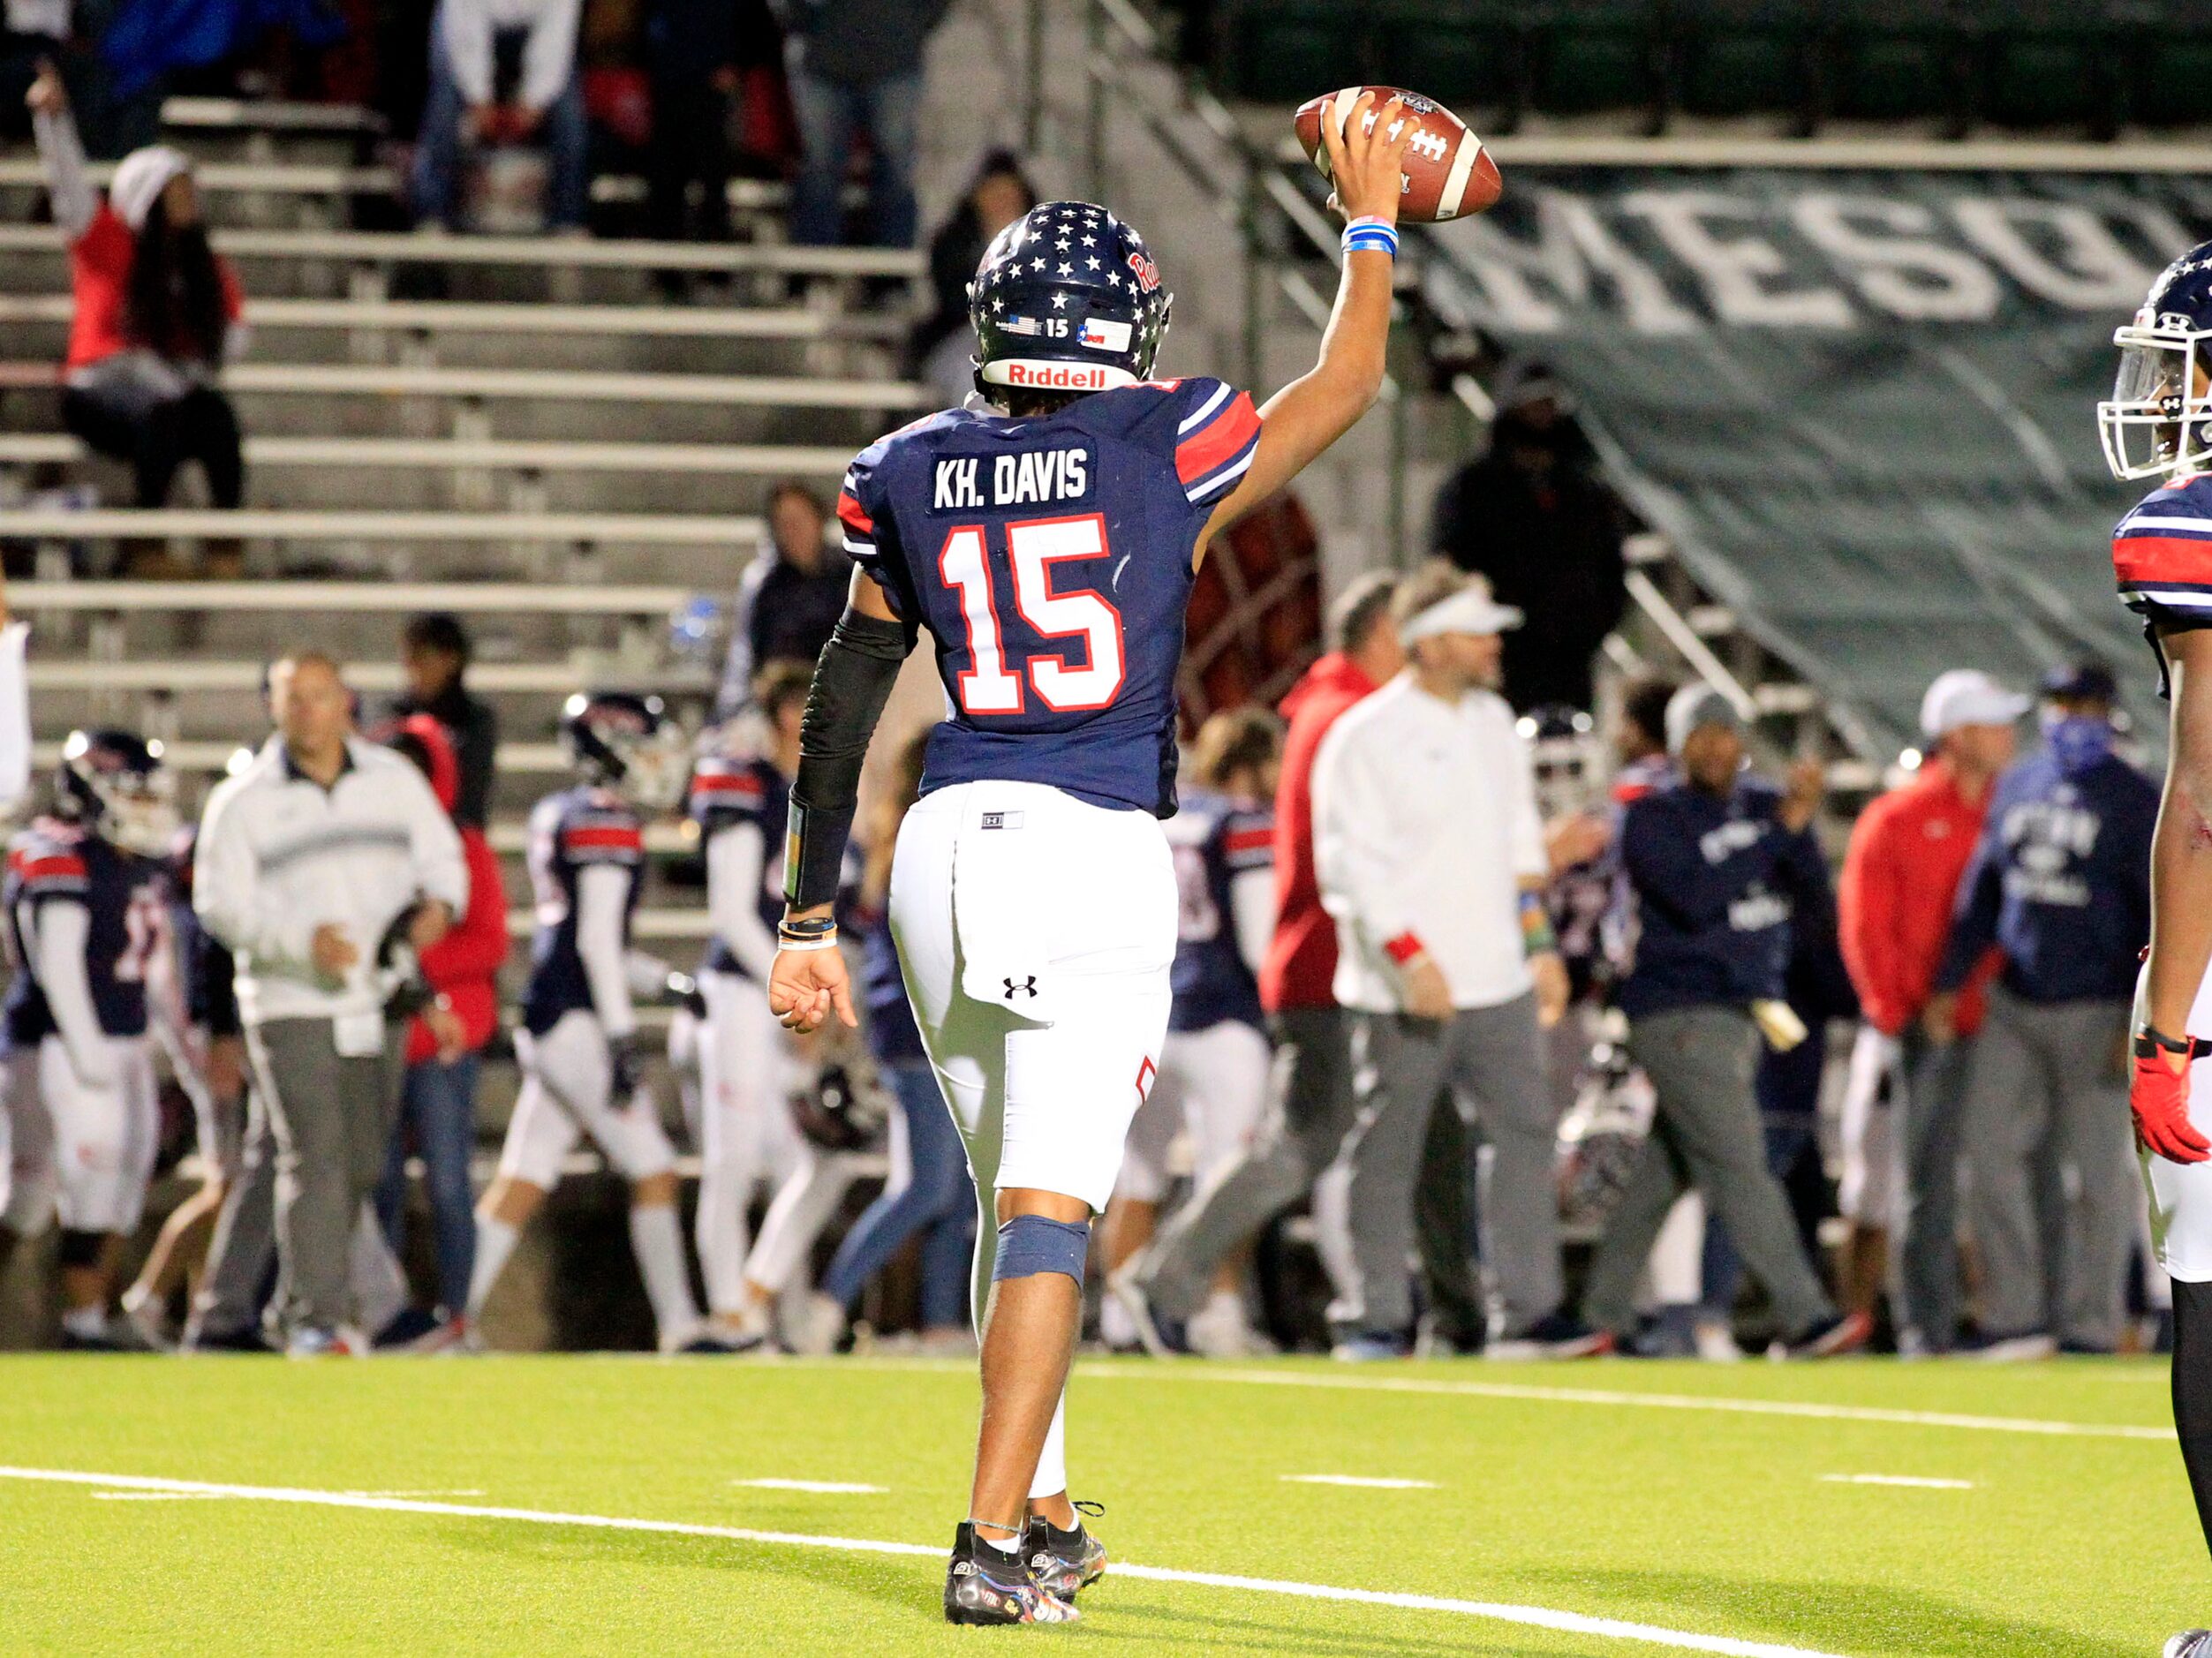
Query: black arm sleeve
{"x": 852, "y": 681}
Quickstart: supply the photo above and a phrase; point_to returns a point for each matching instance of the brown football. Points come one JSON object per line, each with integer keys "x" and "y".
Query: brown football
{"x": 1449, "y": 175}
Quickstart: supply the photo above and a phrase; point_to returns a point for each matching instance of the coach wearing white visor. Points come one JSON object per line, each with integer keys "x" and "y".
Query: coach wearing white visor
{"x": 1430, "y": 858}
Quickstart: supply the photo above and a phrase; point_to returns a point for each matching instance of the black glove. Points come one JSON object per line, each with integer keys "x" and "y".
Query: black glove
{"x": 622, "y": 1068}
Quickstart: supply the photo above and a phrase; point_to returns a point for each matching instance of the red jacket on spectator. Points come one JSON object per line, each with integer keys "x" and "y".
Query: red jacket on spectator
{"x": 100, "y": 274}
{"x": 1301, "y": 962}
{"x": 464, "y": 966}
{"x": 1893, "y": 902}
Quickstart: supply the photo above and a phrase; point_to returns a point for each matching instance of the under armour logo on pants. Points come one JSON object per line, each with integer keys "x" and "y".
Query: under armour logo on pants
{"x": 1027, "y": 986}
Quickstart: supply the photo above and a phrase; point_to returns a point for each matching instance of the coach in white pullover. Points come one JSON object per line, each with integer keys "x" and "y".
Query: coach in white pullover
{"x": 306, "y": 861}
{"x": 1431, "y": 857}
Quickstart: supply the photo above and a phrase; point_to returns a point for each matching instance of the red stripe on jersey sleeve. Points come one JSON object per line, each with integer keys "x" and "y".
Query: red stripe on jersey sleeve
{"x": 1218, "y": 440}
{"x": 1249, "y": 841}
{"x": 52, "y": 866}
{"x": 2139, "y": 559}
{"x": 852, "y": 514}
{"x": 727, "y": 783}
{"x": 605, "y": 838}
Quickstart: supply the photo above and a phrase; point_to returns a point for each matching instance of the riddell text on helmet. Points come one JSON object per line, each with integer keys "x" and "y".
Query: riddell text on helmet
{"x": 1059, "y": 376}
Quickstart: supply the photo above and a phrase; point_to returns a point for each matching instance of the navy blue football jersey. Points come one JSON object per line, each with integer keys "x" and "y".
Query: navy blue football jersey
{"x": 569, "y": 833}
{"x": 727, "y": 791}
{"x": 1050, "y": 559}
{"x": 1215, "y": 839}
{"x": 55, "y": 862}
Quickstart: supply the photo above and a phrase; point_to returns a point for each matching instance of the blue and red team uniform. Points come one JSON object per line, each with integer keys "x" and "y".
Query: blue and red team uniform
{"x": 1050, "y": 557}
{"x": 569, "y": 831}
{"x": 1216, "y": 840}
{"x": 724, "y": 793}
{"x": 2162, "y": 554}
{"x": 125, "y": 895}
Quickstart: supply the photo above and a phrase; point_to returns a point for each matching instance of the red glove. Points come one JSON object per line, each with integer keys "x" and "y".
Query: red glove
{"x": 2159, "y": 1096}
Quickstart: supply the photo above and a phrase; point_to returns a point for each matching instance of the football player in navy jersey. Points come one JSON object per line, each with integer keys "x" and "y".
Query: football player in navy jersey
{"x": 1213, "y": 1063}
{"x": 1049, "y": 542}
{"x": 579, "y": 1047}
{"x": 744, "y": 1133}
{"x": 87, "y": 918}
{"x": 2158, "y": 424}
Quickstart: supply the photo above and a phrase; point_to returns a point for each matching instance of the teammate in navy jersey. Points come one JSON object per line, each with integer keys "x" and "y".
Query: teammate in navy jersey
{"x": 1049, "y": 546}
{"x": 577, "y": 1047}
{"x": 87, "y": 922}
{"x": 739, "y": 801}
{"x": 1213, "y": 1065}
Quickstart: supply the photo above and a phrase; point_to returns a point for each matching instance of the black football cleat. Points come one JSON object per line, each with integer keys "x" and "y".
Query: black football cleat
{"x": 1064, "y": 1563}
{"x": 986, "y": 1585}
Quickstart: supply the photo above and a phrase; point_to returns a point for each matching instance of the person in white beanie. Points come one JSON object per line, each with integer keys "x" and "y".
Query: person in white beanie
{"x": 1901, "y": 1114}
{"x": 157, "y": 311}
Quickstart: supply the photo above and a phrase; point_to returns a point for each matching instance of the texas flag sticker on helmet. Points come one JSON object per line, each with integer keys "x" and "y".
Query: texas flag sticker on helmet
{"x": 1103, "y": 334}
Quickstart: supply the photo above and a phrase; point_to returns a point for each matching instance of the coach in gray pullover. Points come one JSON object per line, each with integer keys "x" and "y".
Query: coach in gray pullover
{"x": 318, "y": 853}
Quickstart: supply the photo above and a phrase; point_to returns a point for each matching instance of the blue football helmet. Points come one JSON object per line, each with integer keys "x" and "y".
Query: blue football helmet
{"x": 626, "y": 742}
{"x": 115, "y": 784}
{"x": 1067, "y": 298}
{"x": 2159, "y": 418}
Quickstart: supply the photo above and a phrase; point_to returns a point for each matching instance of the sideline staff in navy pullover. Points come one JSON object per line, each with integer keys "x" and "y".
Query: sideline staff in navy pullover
{"x": 1716, "y": 878}
{"x": 2061, "y": 879}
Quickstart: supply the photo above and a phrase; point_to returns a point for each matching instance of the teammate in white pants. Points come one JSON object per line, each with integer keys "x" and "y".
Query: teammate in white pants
{"x": 1213, "y": 1065}
{"x": 578, "y": 1046}
{"x": 745, "y": 1133}
{"x": 1050, "y": 544}
{"x": 87, "y": 917}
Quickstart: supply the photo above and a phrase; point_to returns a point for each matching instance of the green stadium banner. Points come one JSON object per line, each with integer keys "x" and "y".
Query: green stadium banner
{"x": 1862, "y": 405}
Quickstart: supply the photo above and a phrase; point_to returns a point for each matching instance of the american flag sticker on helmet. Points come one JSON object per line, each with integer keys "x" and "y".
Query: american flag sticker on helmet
{"x": 1019, "y": 325}
{"x": 1103, "y": 334}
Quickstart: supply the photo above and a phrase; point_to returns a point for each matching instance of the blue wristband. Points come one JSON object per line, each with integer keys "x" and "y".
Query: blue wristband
{"x": 1370, "y": 234}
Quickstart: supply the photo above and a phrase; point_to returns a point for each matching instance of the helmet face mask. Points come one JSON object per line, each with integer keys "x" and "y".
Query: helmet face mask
{"x": 117, "y": 786}
{"x": 626, "y": 743}
{"x": 2158, "y": 420}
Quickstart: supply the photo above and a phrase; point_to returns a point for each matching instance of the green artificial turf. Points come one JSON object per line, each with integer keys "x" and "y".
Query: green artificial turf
{"x": 1693, "y": 1520}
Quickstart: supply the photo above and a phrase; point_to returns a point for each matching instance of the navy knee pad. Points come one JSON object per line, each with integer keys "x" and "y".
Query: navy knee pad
{"x": 1030, "y": 1244}
{"x": 80, "y": 1249}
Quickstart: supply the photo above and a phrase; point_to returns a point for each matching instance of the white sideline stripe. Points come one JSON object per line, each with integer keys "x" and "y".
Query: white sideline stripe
{"x": 159, "y": 1496}
{"x": 824, "y": 1488}
{"x": 1896, "y": 1478}
{"x": 1533, "y": 1617}
{"x": 1655, "y": 1401}
{"x": 1360, "y": 1479}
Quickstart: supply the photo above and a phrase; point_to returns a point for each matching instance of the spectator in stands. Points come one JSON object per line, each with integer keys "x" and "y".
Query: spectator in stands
{"x": 467, "y": 106}
{"x": 1431, "y": 860}
{"x": 692, "y": 61}
{"x": 1901, "y": 1110}
{"x": 2060, "y": 881}
{"x": 787, "y": 602}
{"x": 156, "y": 311}
{"x": 437, "y": 1098}
{"x": 434, "y": 653}
{"x": 929, "y": 1193}
{"x": 1311, "y": 1112}
{"x": 1531, "y": 515}
{"x": 1715, "y": 860}
{"x": 856, "y": 66}
{"x": 313, "y": 860}
{"x": 940, "y": 347}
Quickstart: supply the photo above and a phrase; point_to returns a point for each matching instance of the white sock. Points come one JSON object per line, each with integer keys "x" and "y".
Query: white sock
{"x": 494, "y": 1242}
{"x": 87, "y": 1323}
{"x": 1115, "y": 1326}
{"x": 1004, "y": 1545}
{"x": 1051, "y": 1462}
{"x": 659, "y": 1247}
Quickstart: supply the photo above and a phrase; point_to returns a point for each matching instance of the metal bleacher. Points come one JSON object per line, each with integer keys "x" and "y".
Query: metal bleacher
{"x": 527, "y": 431}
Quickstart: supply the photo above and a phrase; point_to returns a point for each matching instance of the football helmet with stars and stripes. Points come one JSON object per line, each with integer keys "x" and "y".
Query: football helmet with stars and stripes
{"x": 1067, "y": 298}
{"x": 2159, "y": 418}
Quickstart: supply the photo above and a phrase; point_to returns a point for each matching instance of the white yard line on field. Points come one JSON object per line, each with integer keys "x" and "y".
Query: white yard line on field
{"x": 1354, "y": 1479}
{"x": 1196, "y": 1372}
{"x": 1533, "y": 1617}
{"x": 1896, "y": 1478}
{"x": 822, "y": 1488}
